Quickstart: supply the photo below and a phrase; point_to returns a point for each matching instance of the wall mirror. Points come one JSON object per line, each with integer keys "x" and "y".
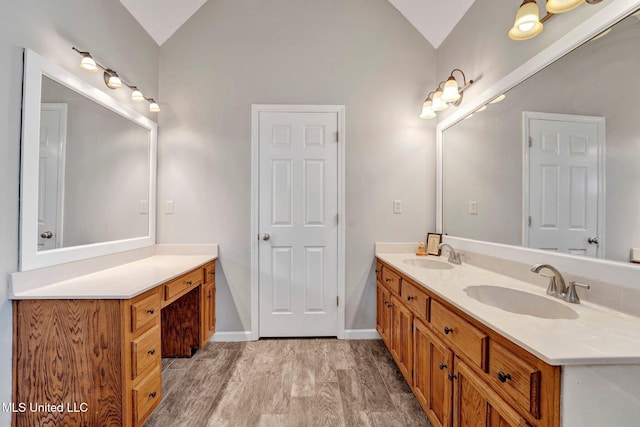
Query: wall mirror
{"x": 88, "y": 170}
{"x": 553, "y": 164}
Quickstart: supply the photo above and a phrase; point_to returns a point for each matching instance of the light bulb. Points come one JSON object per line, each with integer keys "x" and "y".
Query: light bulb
{"x": 451, "y": 92}
{"x": 88, "y": 63}
{"x": 438, "y": 102}
{"x": 527, "y": 23}
{"x": 137, "y": 96}
{"x": 154, "y": 107}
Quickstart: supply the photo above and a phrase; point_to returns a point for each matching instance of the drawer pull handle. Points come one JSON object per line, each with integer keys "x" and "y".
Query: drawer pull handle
{"x": 451, "y": 377}
{"x": 447, "y": 330}
{"x": 152, "y": 394}
{"x": 442, "y": 366}
{"x": 410, "y": 298}
{"x": 503, "y": 377}
{"x": 151, "y": 310}
{"x": 152, "y": 351}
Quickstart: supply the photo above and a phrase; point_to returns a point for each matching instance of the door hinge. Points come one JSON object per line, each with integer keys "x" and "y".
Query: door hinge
{"x": 529, "y": 221}
{"x": 337, "y": 301}
{"x": 337, "y": 218}
{"x": 530, "y": 142}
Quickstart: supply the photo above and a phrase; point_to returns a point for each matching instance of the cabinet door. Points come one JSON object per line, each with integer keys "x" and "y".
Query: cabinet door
{"x": 475, "y": 404}
{"x": 383, "y": 314}
{"x": 432, "y": 365}
{"x": 402, "y": 338}
{"x": 208, "y": 304}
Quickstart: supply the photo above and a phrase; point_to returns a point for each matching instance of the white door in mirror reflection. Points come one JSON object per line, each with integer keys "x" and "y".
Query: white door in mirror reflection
{"x": 298, "y": 249}
{"x": 53, "y": 134}
{"x": 564, "y": 188}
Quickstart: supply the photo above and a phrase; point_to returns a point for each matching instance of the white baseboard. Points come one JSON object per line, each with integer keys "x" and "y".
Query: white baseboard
{"x": 232, "y": 336}
{"x": 361, "y": 334}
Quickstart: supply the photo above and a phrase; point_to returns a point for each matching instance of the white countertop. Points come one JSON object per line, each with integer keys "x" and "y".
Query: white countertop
{"x": 120, "y": 282}
{"x": 597, "y": 336}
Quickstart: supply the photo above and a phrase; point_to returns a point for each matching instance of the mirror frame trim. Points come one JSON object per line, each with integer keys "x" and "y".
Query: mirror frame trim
{"x": 35, "y": 66}
{"x": 597, "y": 23}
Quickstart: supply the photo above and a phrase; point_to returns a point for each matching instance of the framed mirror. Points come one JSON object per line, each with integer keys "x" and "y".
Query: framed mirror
{"x": 553, "y": 164}
{"x": 88, "y": 170}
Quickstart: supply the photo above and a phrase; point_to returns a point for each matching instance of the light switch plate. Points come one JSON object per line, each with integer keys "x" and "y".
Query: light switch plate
{"x": 397, "y": 206}
{"x": 144, "y": 207}
{"x": 168, "y": 207}
{"x": 473, "y": 207}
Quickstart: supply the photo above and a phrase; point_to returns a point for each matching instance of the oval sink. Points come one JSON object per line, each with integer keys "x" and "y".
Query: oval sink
{"x": 428, "y": 263}
{"x": 519, "y": 302}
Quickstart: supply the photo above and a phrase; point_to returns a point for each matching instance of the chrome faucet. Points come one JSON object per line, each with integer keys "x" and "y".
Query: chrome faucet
{"x": 556, "y": 287}
{"x": 454, "y": 257}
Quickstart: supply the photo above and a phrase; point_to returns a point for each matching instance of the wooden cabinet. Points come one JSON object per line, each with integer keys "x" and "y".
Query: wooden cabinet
{"x": 402, "y": 338}
{"x": 383, "y": 313}
{"x": 461, "y": 372}
{"x": 104, "y": 355}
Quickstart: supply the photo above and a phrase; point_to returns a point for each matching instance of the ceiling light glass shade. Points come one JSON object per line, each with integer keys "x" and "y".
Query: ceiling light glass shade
{"x": 560, "y": 6}
{"x": 137, "y": 96}
{"x": 114, "y": 81}
{"x": 451, "y": 92}
{"x": 427, "y": 110}
{"x": 527, "y": 24}
{"x": 154, "y": 107}
{"x": 88, "y": 63}
{"x": 438, "y": 102}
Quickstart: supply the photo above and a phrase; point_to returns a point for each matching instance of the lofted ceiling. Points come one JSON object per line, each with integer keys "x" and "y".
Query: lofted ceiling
{"x": 434, "y": 19}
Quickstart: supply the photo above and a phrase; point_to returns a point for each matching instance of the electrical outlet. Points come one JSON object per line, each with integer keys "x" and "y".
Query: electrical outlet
{"x": 397, "y": 206}
{"x": 473, "y": 207}
{"x": 168, "y": 207}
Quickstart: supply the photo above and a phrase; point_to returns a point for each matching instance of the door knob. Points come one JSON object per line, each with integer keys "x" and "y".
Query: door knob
{"x": 592, "y": 240}
{"x": 46, "y": 235}
{"x": 265, "y": 236}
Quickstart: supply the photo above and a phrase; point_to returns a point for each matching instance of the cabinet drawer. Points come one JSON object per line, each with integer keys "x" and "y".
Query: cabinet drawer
{"x": 210, "y": 272}
{"x": 146, "y": 396}
{"x": 145, "y": 310}
{"x": 415, "y": 298}
{"x": 460, "y": 334}
{"x": 182, "y": 284}
{"x": 519, "y": 379}
{"x": 145, "y": 352}
{"x": 391, "y": 279}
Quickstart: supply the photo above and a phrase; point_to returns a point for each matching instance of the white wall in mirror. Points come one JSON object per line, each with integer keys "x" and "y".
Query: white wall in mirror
{"x": 105, "y": 200}
{"x": 585, "y": 31}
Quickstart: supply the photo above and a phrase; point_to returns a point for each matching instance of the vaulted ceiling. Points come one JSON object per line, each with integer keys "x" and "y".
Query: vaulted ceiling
{"x": 434, "y": 19}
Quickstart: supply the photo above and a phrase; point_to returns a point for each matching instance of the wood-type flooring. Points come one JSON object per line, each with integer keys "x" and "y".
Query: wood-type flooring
{"x": 287, "y": 382}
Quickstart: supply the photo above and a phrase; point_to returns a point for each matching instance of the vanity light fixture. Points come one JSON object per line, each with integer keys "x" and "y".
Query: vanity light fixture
{"x": 528, "y": 23}
{"x": 447, "y": 92}
{"x": 114, "y": 81}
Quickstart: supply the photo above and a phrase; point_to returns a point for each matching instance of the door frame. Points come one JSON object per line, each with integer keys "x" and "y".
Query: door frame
{"x": 600, "y": 123}
{"x": 256, "y": 109}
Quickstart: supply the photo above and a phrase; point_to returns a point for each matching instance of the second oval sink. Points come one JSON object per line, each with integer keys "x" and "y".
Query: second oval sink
{"x": 520, "y": 302}
{"x": 428, "y": 263}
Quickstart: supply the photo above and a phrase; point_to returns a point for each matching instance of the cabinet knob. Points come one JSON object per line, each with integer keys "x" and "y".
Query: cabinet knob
{"x": 152, "y": 394}
{"x": 442, "y": 366}
{"x": 151, "y": 310}
{"x": 447, "y": 330}
{"x": 451, "y": 377}
{"x": 410, "y": 298}
{"x": 387, "y": 280}
{"x": 46, "y": 235}
{"x": 189, "y": 282}
{"x": 152, "y": 351}
{"x": 503, "y": 377}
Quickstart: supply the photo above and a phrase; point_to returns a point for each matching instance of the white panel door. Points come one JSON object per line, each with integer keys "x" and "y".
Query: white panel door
{"x": 53, "y": 130}
{"x": 298, "y": 224}
{"x": 563, "y": 186}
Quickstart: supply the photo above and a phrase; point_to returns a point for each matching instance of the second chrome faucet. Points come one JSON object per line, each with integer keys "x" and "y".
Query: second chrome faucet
{"x": 557, "y": 286}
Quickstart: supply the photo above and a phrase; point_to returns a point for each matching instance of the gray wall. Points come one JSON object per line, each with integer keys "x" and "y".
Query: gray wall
{"x": 51, "y": 28}
{"x": 233, "y": 53}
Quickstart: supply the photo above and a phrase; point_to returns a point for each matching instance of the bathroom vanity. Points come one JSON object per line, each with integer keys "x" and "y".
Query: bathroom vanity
{"x": 94, "y": 343}
{"x": 477, "y": 345}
